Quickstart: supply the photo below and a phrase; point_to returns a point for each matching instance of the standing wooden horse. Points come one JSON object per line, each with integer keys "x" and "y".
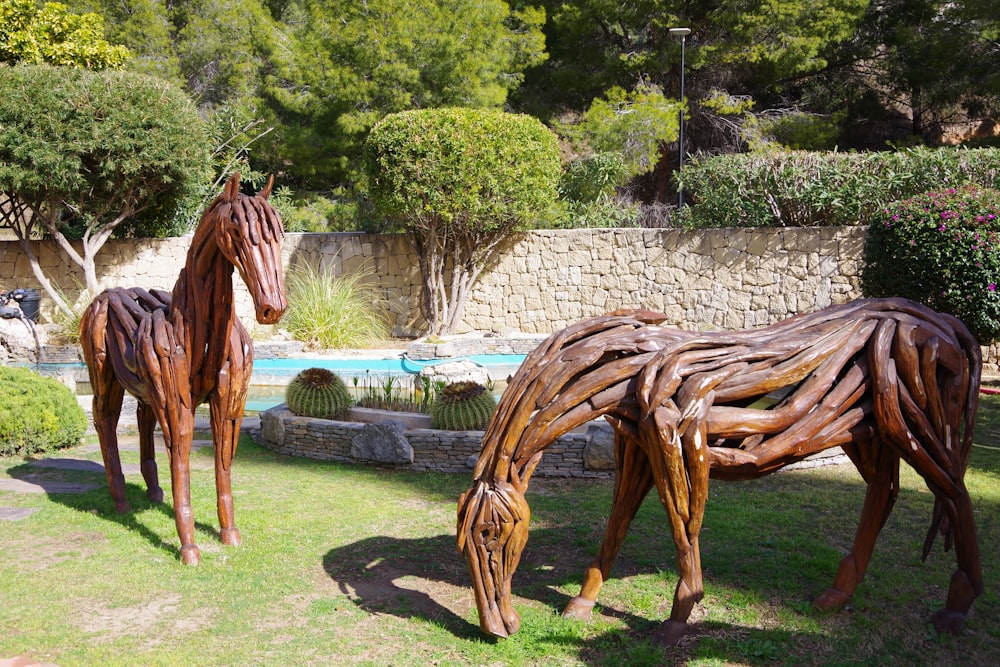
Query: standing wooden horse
{"x": 884, "y": 379}
{"x": 175, "y": 351}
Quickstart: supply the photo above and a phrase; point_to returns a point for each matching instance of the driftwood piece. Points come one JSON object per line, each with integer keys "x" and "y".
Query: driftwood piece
{"x": 886, "y": 379}
{"x": 174, "y": 351}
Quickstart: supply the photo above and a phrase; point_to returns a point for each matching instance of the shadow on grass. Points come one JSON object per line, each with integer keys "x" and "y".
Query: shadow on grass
{"x": 775, "y": 542}
{"x": 419, "y": 578}
{"x": 94, "y": 497}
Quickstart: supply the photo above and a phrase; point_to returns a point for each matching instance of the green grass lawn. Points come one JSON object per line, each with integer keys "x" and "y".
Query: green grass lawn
{"x": 355, "y": 565}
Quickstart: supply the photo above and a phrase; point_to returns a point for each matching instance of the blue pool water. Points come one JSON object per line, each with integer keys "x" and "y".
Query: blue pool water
{"x": 504, "y": 364}
{"x": 270, "y": 372}
{"x": 269, "y": 375}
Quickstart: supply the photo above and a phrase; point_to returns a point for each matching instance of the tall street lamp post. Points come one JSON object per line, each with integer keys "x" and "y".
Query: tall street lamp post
{"x": 682, "y": 33}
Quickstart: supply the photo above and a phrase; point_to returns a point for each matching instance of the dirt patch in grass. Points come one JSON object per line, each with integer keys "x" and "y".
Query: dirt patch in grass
{"x": 39, "y": 552}
{"x": 111, "y": 623}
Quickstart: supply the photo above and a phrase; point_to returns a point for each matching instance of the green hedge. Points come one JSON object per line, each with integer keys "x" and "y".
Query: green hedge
{"x": 37, "y": 414}
{"x": 801, "y": 189}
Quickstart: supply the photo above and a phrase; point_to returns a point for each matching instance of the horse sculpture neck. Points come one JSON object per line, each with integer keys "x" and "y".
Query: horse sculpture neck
{"x": 238, "y": 232}
{"x": 202, "y": 306}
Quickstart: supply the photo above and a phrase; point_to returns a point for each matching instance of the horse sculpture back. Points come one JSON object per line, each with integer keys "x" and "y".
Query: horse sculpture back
{"x": 884, "y": 379}
{"x": 173, "y": 351}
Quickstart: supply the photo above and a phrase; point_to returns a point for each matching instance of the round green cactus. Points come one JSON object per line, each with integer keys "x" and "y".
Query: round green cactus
{"x": 317, "y": 392}
{"x": 462, "y": 406}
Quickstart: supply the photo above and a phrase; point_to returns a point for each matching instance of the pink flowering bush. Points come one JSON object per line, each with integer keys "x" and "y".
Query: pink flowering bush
{"x": 941, "y": 249}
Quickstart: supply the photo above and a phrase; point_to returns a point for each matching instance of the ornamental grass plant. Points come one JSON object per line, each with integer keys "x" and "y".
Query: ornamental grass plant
{"x": 328, "y": 311}
{"x": 942, "y": 249}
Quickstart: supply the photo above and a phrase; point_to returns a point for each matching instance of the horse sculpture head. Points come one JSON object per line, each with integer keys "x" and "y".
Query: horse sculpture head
{"x": 248, "y": 232}
{"x": 492, "y": 532}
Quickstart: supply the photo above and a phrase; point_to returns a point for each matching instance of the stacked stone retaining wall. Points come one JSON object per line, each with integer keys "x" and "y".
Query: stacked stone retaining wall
{"x": 710, "y": 279}
{"x": 586, "y": 452}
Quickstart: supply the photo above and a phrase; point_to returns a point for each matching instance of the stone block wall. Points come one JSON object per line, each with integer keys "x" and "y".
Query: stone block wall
{"x": 582, "y": 453}
{"x": 702, "y": 279}
{"x": 717, "y": 278}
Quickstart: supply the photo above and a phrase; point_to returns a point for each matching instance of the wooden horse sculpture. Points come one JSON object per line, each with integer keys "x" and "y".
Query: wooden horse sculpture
{"x": 175, "y": 351}
{"x": 884, "y": 379}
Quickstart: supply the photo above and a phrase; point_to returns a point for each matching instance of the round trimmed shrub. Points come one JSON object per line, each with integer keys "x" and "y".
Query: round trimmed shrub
{"x": 941, "y": 249}
{"x": 462, "y": 406}
{"x": 37, "y": 414}
{"x": 317, "y": 392}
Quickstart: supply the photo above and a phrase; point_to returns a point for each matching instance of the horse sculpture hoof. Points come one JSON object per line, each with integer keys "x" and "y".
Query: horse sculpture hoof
{"x": 579, "y": 608}
{"x": 190, "y": 555}
{"x": 831, "y": 600}
{"x": 947, "y": 622}
{"x": 123, "y": 507}
{"x": 231, "y": 537}
{"x": 155, "y": 495}
{"x": 670, "y": 632}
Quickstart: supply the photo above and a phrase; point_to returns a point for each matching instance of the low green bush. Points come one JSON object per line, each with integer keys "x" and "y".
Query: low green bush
{"x": 593, "y": 178}
{"x": 799, "y": 188}
{"x": 942, "y": 249}
{"x": 335, "y": 212}
{"x": 37, "y": 414}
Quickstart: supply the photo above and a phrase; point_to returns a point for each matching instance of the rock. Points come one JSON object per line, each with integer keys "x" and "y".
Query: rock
{"x": 272, "y": 424}
{"x": 456, "y": 371}
{"x": 384, "y": 442}
{"x": 17, "y": 341}
{"x": 599, "y": 452}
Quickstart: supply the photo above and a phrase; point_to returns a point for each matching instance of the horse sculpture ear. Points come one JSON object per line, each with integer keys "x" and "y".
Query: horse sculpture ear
{"x": 266, "y": 192}
{"x": 232, "y": 189}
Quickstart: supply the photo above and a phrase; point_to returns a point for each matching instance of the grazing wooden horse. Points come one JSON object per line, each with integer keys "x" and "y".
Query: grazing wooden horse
{"x": 175, "y": 351}
{"x": 884, "y": 379}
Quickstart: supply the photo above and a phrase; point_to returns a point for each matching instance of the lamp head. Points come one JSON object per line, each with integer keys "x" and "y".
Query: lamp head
{"x": 680, "y": 32}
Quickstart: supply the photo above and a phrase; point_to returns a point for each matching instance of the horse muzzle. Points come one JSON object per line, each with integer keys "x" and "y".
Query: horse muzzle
{"x": 269, "y": 311}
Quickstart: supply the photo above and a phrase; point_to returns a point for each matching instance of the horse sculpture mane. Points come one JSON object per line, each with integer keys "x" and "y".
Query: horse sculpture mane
{"x": 173, "y": 351}
{"x": 885, "y": 379}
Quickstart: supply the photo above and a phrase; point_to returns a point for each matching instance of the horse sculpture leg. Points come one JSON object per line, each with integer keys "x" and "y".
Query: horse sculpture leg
{"x": 107, "y": 407}
{"x": 179, "y": 448}
{"x": 147, "y": 452}
{"x": 879, "y": 466}
{"x": 633, "y": 480}
{"x": 967, "y": 580}
{"x": 225, "y": 433}
{"x": 677, "y": 448}
{"x": 226, "y": 404}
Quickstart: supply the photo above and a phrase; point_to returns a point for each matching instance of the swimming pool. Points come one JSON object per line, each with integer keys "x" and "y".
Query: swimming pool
{"x": 500, "y": 364}
{"x": 267, "y": 384}
{"x": 269, "y": 375}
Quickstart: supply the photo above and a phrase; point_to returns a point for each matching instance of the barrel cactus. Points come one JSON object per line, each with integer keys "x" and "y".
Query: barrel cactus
{"x": 462, "y": 406}
{"x": 317, "y": 392}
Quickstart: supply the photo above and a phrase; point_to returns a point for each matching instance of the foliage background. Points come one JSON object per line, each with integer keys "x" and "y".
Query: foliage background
{"x": 942, "y": 249}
